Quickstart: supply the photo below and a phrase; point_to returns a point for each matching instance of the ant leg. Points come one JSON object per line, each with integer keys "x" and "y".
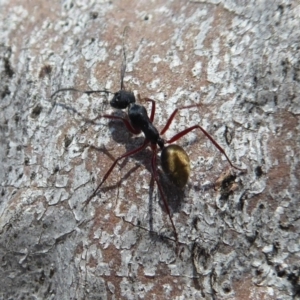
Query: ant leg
{"x": 144, "y": 145}
{"x": 173, "y": 115}
{"x": 186, "y": 131}
{"x": 152, "y": 107}
{"x": 154, "y": 172}
{"x": 125, "y": 121}
{"x": 74, "y": 111}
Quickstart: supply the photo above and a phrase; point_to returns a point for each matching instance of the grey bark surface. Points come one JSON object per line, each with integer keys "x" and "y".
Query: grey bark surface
{"x": 238, "y": 231}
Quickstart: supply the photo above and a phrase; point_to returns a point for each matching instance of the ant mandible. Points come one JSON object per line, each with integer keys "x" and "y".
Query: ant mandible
{"x": 174, "y": 160}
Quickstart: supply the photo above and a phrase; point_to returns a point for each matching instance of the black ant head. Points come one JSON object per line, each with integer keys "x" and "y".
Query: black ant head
{"x": 122, "y": 99}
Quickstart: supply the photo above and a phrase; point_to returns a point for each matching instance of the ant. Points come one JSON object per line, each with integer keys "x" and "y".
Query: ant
{"x": 174, "y": 159}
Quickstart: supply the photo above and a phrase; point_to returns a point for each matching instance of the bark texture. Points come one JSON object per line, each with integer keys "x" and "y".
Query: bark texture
{"x": 238, "y": 231}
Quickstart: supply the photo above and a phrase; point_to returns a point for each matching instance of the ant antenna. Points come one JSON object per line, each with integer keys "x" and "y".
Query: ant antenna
{"x": 80, "y": 91}
{"x": 123, "y": 68}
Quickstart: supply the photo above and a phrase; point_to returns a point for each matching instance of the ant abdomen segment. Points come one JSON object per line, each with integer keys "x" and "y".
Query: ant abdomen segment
{"x": 176, "y": 164}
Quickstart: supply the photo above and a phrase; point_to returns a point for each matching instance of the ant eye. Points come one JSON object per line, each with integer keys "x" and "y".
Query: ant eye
{"x": 116, "y": 97}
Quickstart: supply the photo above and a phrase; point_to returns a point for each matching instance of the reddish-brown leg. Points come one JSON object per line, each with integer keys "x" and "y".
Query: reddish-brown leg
{"x": 152, "y": 107}
{"x": 186, "y": 131}
{"x": 127, "y": 154}
{"x": 155, "y": 175}
{"x": 132, "y": 130}
{"x": 169, "y": 121}
{"x": 125, "y": 121}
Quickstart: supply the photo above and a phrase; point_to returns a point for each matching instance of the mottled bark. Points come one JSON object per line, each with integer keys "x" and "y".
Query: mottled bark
{"x": 238, "y": 232}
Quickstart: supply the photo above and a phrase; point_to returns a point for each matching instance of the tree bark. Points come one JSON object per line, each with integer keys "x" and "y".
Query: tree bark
{"x": 238, "y": 231}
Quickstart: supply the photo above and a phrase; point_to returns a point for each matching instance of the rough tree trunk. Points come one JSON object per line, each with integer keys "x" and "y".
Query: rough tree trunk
{"x": 238, "y": 231}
